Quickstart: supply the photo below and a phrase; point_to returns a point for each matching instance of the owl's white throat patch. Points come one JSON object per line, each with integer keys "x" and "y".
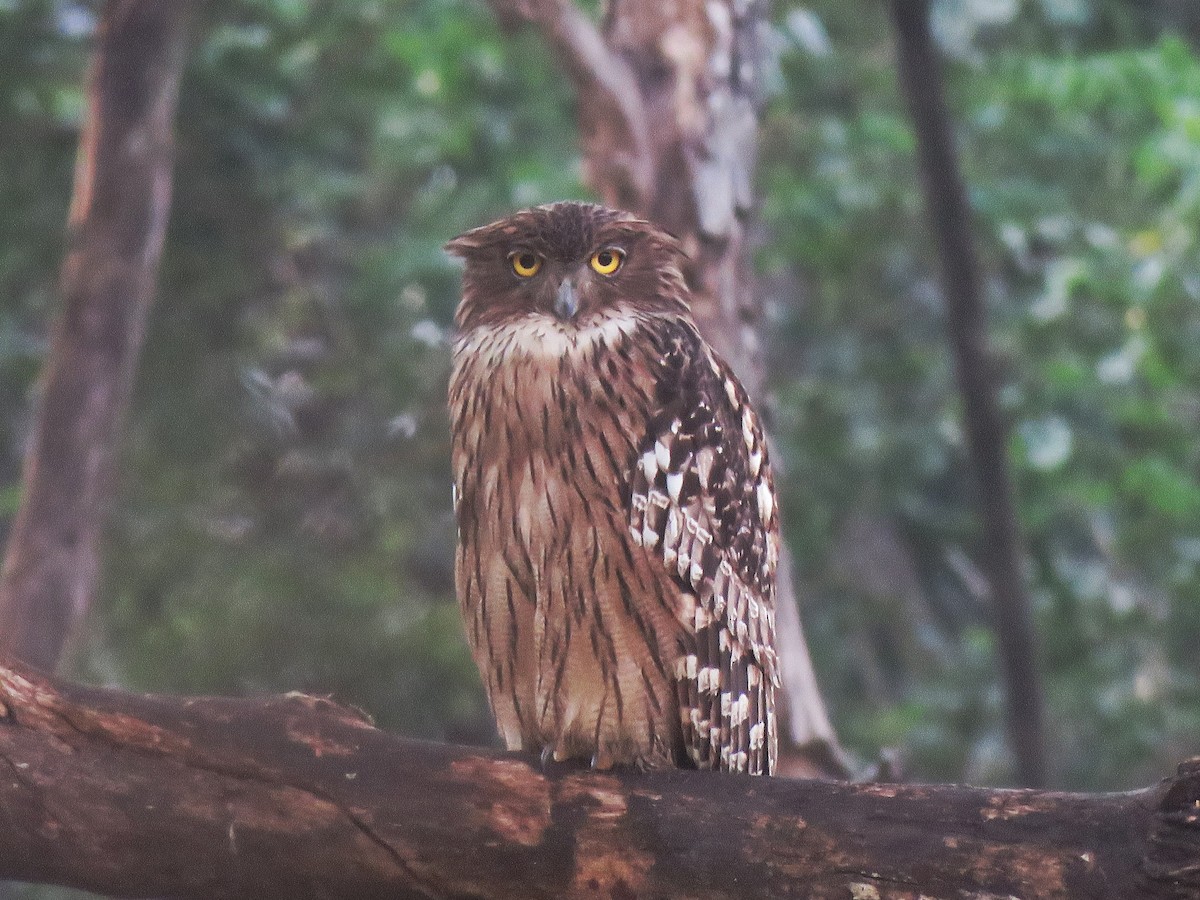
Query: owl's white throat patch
{"x": 539, "y": 336}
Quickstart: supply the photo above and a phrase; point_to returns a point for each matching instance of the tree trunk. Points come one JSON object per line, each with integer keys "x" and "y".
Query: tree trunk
{"x": 987, "y": 432}
{"x": 296, "y": 797}
{"x": 669, "y": 98}
{"x": 117, "y": 224}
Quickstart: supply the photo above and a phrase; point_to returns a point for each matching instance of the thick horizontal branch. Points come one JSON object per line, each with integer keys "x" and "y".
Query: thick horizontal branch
{"x": 152, "y": 796}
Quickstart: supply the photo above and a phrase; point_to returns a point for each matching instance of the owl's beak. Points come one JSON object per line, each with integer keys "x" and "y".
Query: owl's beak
{"x": 566, "y": 303}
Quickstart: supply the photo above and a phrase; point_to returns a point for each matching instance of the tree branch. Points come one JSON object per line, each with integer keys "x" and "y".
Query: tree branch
{"x": 987, "y": 433}
{"x": 295, "y": 797}
{"x": 612, "y": 119}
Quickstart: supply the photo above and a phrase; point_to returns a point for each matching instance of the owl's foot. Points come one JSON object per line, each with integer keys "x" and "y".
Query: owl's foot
{"x": 602, "y": 760}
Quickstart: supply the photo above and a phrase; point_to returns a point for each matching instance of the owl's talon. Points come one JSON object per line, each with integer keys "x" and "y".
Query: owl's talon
{"x": 602, "y": 760}
{"x": 555, "y": 760}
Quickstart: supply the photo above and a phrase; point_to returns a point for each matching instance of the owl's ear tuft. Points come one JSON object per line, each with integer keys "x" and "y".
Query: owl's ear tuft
{"x": 659, "y": 237}
{"x": 483, "y": 238}
{"x": 673, "y": 243}
{"x": 471, "y": 242}
{"x": 464, "y": 245}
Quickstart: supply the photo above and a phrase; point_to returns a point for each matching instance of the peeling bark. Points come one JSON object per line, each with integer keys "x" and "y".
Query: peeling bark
{"x": 668, "y": 100}
{"x": 117, "y": 225}
{"x": 297, "y": 797}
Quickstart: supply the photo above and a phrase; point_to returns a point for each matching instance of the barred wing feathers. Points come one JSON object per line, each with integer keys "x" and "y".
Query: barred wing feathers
{"x": 702, "y": 500}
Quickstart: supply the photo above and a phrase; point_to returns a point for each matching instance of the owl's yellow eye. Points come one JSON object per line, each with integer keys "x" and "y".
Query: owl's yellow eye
{"x": 608, "y": 260}
{"x": 524, "y": 263}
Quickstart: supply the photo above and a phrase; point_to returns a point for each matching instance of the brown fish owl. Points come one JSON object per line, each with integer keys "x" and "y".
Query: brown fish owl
{"x": 617, "y": 523}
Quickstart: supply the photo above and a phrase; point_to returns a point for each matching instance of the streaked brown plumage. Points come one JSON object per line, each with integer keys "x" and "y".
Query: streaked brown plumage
{"x": 618, "y": 532}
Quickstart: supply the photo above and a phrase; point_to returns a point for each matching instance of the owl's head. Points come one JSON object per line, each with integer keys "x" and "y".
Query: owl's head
{"x": 575, "y": 262}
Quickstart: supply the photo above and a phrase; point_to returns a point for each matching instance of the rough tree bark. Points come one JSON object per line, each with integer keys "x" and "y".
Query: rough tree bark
{"x": 117, "y": 223}
{"x": 295, "y": 797}
{"x": 668, "y": 106}
{"x": 987, "y": 432}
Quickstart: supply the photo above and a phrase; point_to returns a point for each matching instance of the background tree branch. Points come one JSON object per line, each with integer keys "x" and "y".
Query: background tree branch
{"x": 141, "y": 796}
{"x": 117, "y": 225}
{"x": 987, "y": 432}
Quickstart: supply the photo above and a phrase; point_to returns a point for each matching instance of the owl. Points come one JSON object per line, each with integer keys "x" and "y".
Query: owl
{"x": 618, "y": 532}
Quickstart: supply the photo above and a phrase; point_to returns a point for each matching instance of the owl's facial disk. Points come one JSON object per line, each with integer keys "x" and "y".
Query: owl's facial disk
{"x": 575, "y": 263}
{"x": 574, "y": 286}
{"x": 519, "y": 281}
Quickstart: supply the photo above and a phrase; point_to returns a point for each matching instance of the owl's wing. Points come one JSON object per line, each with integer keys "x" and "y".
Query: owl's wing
{"x": 704, "y": 503}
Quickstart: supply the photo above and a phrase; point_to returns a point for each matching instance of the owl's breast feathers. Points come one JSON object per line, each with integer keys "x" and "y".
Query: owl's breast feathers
{"x": 618, "y": 542}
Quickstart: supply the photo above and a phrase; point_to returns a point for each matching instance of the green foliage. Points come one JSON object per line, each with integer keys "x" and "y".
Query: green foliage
{"x": 40, "y": 91}
{"x": 284, "y": 519}
{"x": 284, "y": 515}
{"x": 1080, "y": 145}
{"x": 294, "y": 530}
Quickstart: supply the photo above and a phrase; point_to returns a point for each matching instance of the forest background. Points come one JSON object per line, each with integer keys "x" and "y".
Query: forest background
{"x": 283, "y": 514}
